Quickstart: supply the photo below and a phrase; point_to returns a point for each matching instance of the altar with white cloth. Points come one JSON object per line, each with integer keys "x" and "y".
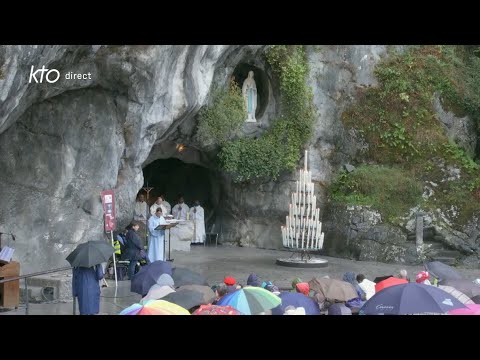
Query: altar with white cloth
{"x": 180, "y": 236}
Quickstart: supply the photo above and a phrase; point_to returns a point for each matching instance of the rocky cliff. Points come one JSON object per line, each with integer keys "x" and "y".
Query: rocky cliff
{"x": 62, "y": 143}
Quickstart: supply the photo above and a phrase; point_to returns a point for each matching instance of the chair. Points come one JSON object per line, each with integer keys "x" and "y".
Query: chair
{"x": 211, "y": 234}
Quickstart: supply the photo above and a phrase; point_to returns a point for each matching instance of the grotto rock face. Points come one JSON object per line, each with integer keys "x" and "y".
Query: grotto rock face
{"x": 62, "y": 143}
{"x": 252, "y": 215}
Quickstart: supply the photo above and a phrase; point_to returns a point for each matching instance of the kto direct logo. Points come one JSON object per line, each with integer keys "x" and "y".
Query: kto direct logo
{"x": 51, "y": 78}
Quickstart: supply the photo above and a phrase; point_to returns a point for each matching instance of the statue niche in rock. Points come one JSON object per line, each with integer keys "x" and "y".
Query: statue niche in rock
{"x": 249, "y": 92}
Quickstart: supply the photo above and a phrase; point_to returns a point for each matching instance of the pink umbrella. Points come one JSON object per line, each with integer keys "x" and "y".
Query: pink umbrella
{"x": 471, "y": 309}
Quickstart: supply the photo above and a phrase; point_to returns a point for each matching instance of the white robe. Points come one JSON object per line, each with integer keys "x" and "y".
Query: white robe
{"x": 156, "y": 239}
{"x": 198, "y": 224}
{"x": 154, "y": 207}
{"x": 167, "y": 206}
{"x": 180, "y": 211}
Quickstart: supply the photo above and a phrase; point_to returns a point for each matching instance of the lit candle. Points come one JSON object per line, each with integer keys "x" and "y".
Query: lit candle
{"x": 306, "y": 155}
{"x": 301, "y": 180}
{"x": 308, "y": 232}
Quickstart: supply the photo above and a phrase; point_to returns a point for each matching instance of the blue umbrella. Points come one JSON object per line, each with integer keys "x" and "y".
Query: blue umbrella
{"x": 411, "y": 298}
{"x": 148, "y": 275}
{"x": 297, "y": 300}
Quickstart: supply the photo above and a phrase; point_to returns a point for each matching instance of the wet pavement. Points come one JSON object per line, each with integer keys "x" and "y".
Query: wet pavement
{"x": 217, "y": 262}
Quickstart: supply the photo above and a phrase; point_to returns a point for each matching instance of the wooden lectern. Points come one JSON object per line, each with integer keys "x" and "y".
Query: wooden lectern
{"x": 10, "y": 291}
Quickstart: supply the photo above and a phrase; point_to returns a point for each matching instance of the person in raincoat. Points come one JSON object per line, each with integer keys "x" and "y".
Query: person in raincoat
{"x": 86, "y": 287}
{"x": 355, "y": 303}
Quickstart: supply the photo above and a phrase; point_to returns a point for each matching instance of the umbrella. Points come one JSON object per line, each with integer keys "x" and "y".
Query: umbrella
{"x": 207, "y": 293}
{"x": 184, "y": 276}
{"x": 90, "y": 254}
{"x": 155, "y": 307}
{"x": 210, "y": 309}
{"x": 339, "y": 309}
{"x": 391, "y": 281}
{"x": 472, "y": 309}
{"x": 381, "y": 278}
{"x": 333, "y": 289}
{"x": 186, "y": 298}
{"x": 467, "y": 287}
{"x": 251, "y": 300}
{"x": 189, "y": 296}
{"x": 442, "y": 271}
{"x": 296, "y": 300}
{"x": 157, "y": 292}
{"x": 410, "y": 298}
{"x": 149, "y": 275}
{"x": 464, "y": 299}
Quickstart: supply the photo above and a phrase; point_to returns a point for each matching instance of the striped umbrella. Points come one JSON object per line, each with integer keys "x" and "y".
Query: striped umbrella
{"x": 464, "y": 299}
{"x": 155, "y": 307}
{"x": 251, "y": 300}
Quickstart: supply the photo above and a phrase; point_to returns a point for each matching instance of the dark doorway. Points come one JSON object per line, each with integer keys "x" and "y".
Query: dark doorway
{"x": 172, "y": 177}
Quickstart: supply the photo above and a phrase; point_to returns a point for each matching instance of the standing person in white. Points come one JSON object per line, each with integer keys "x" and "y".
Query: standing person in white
{"x": 197, "y": 215}
{"x": 167, "y": 205}
{"x": 157, "y": 237}
{"x": 180, "y": 210}
{"x": 159, "y": 203}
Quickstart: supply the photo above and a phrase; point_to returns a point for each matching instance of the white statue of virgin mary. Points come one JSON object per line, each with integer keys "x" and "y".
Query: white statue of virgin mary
{"x": 249, "y": 91}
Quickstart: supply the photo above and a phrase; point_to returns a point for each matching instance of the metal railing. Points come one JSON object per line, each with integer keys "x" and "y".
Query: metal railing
{"x": 26, "y": 276}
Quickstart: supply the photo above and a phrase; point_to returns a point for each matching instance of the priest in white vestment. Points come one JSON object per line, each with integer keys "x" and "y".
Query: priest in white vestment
{"x": 180, "y": 210}
{"x": 157, "y": 237}
{"x": 197, "y": 215}
{"x": 159, "y": 203}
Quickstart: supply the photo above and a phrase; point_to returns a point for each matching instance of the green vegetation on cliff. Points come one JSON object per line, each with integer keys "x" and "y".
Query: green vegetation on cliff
{"x": 398, "y": 122}
{"x": 280, "y": 147}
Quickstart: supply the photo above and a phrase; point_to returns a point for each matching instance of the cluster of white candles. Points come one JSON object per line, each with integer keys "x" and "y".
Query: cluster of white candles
{"x": 303, "y": 228}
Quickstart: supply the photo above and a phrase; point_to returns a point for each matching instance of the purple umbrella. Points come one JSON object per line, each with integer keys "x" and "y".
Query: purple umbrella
{"x": 411, "y": 298}
{"x": 339, "y": 309}
{"x": 297, "y": 300}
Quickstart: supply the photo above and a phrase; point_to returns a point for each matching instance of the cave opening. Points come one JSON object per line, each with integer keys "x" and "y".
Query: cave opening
{"x": 172, "y": 177}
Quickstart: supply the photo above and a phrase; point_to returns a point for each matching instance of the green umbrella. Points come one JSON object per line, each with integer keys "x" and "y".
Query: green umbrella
{"x": 251, "y": 300}
{"x": 90, "y": 254}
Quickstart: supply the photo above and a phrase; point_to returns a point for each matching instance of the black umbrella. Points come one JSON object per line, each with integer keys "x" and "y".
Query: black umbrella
{"x": 90, "y": 254}
{"x": 148, "y": 276}
{"x": 185, "y": 298}
{"x": 381, "y": 278}
{"x": 467, "y": 287}
{"x": 442, "y": 271}
{"x": 184, "y": 276}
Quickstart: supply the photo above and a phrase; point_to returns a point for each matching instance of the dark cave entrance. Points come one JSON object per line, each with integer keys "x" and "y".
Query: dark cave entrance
{"x": 172, "y": 177}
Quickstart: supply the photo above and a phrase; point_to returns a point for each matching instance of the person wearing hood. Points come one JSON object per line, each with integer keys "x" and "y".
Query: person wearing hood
{"x": 254, "y": 280}
{"x": 360, "y": 300}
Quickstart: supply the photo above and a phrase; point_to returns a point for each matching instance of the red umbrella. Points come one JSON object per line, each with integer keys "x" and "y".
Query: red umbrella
{"x": 391, "y": 281}
{"x": 210, "y": 309}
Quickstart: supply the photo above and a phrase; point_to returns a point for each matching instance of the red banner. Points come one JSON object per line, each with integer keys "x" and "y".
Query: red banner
{"x": 108, "y": 201}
